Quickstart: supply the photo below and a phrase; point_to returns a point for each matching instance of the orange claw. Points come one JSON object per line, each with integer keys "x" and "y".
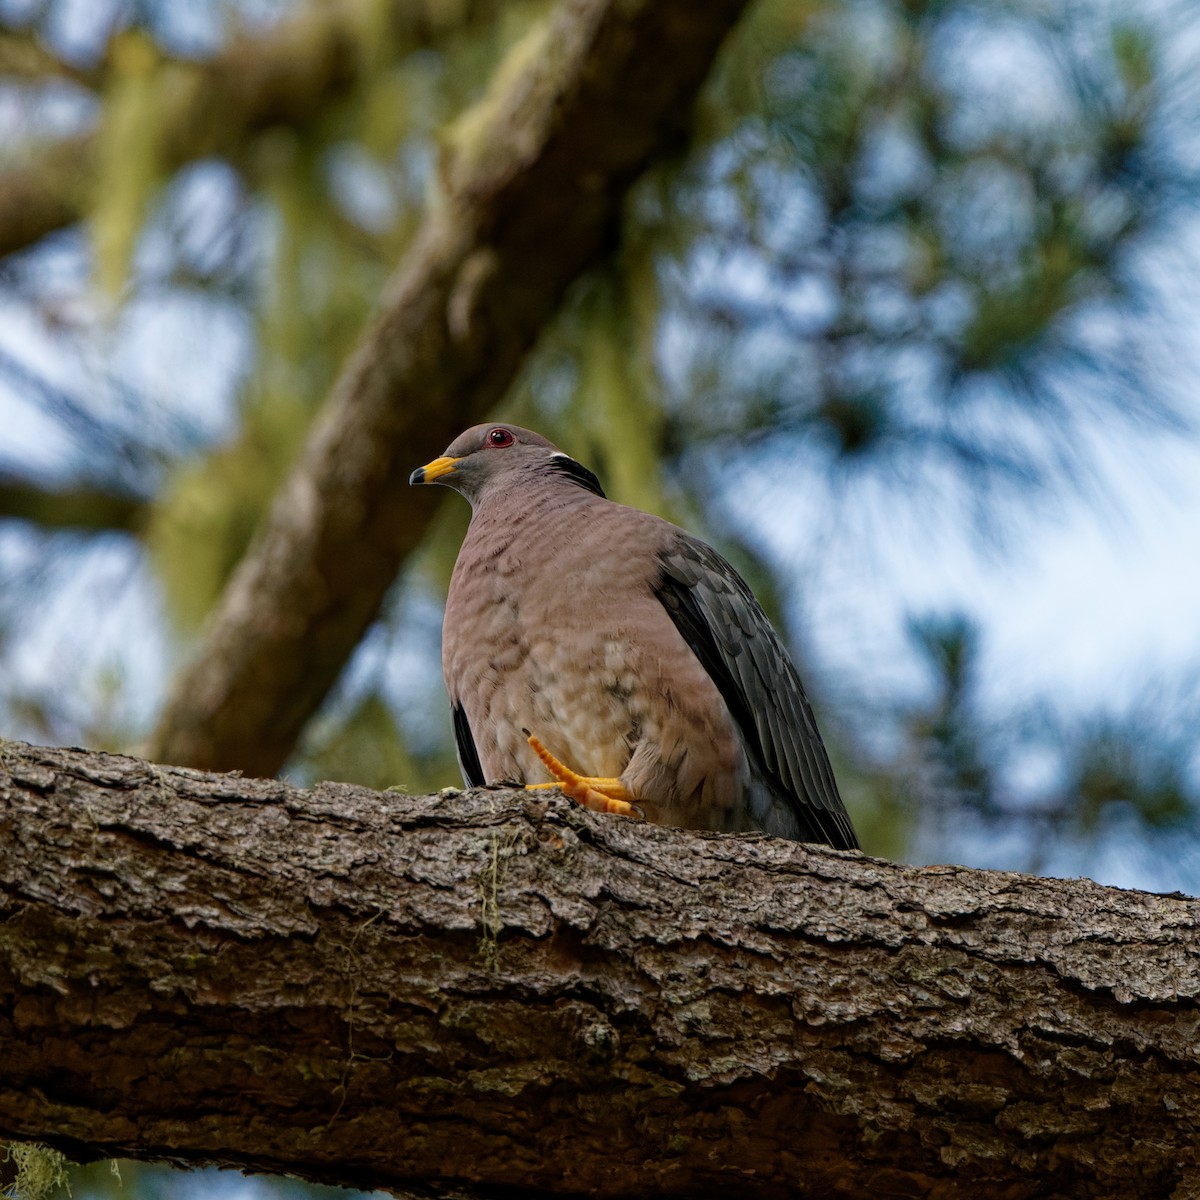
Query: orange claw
{"x": 597, "y": 793}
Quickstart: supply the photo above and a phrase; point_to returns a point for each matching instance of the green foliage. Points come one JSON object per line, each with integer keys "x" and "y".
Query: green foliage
{"x": 206, "y": 516}
{"x": 878, "y": 260}
{"x": 1106, "y": 765}
{"x": 948, "y": 728}
{"x": 366, "y": 745}
{"x": 945, "y": 246}
{"x": 1117, "y": 764}
{"x": 594, "y": 386}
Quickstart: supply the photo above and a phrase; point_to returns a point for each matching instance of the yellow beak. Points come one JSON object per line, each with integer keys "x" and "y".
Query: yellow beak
{"x": 433, "y": 470}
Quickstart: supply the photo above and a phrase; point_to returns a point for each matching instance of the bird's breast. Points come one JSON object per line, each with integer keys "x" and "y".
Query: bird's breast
{"x": 534, "y": 639}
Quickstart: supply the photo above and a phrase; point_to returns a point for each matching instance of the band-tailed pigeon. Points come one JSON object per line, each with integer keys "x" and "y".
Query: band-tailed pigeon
{"x": 603, "y": 650}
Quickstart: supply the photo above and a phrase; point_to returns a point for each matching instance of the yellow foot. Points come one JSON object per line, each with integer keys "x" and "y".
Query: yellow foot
{"x": 598, "y": 794}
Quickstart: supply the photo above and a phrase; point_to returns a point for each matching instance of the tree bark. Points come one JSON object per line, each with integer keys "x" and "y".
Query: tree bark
{"x": 532, "y": 185}
{"x": 485, "y": 994}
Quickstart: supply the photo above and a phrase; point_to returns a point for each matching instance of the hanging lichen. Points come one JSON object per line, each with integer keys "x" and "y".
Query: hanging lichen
{"x": 40, "y": 1171}
{"x": 127, "y": 156}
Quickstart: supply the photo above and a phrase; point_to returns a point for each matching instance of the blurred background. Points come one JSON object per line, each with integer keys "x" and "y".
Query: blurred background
{"x": 909, "y": 330}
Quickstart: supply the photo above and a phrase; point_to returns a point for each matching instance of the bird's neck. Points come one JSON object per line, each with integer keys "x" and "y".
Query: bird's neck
{"x": 536, "y": 511}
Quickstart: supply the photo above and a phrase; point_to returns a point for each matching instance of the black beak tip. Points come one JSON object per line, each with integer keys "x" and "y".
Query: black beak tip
{"x": 418, "y": 476}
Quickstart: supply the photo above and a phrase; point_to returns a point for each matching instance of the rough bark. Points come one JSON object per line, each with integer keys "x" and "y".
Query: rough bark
{"x": 288, "y": 77}
{"x": 531, "y": 187}
{"x": 483, "y": 994}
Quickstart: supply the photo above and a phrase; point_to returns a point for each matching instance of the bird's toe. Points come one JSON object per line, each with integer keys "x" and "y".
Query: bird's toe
{"x": 599, "y": 793}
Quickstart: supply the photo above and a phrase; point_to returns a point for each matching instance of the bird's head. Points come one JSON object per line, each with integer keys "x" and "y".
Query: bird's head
{"x": 490, "y": 454}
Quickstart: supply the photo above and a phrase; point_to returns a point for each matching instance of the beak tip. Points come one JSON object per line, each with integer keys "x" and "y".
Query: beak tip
{"x": 418, "y": 476}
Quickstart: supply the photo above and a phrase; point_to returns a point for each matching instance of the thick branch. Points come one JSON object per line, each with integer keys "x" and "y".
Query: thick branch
{"x": 532, "y": 188}
{"x": 481, "y": 992}
{"x": 288, "y": 76}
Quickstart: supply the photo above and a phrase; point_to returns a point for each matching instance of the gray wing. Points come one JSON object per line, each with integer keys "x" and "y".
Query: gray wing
{"x": 729, "y": 633}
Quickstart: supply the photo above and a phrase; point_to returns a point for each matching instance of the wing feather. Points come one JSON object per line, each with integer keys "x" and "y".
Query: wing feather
{"x": 718, "y": 616}
{"x": 468, "y": 755}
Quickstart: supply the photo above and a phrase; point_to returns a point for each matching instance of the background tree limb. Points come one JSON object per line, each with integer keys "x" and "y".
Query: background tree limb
{"x": 79, "y": 507}
{"x": 287, "y": 77}
{"x": 473, "y": 992}
{"x": 533, "y": 181}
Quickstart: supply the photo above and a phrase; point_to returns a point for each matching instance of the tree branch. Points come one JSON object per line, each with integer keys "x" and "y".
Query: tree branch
{"x": 289, "y": 77}
{"x": 79, "y": 507}
{"x": 24, "y": 56}
{"x": 479, "y": 993}
{"x": 532, "y": 187}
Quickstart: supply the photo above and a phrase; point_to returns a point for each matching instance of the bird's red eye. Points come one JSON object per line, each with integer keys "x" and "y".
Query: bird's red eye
{"x": 500, "y": 437}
